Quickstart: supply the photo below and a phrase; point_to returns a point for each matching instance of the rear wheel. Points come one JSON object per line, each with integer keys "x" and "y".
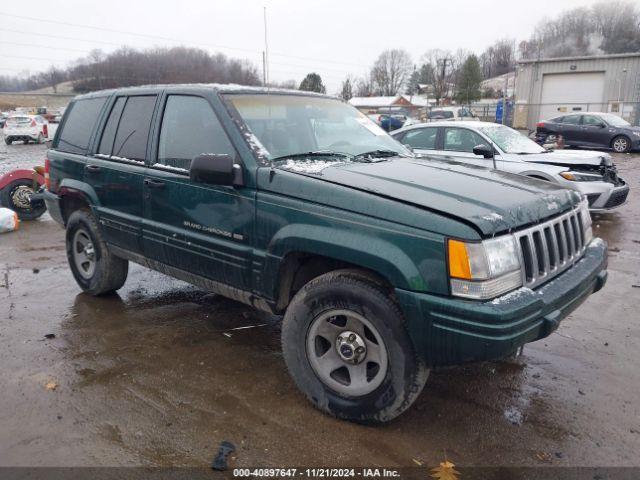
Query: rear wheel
{"x": 621, "y": 144}
{"x": 8, "y": 140}
{"x": 94, "y": 267}
{"x": 17, "y": 197}
{"x": 347, "y": 349}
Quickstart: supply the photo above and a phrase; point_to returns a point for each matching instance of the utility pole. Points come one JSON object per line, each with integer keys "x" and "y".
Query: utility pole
{"x": 266, "y": 50}
{"x": 264, "y": 69}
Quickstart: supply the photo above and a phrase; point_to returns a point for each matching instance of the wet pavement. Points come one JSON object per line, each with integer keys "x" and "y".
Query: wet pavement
{"x": 156, "y": 375}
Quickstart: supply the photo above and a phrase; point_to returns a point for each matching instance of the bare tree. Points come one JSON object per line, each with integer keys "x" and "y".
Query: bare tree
{"x": 391, "y": 71}
{"x": 440, "y": 62}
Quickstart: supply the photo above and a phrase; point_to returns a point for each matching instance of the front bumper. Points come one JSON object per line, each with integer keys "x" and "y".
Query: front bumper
{"x": 451, "y": 331}
{"x": 611, "y": 199}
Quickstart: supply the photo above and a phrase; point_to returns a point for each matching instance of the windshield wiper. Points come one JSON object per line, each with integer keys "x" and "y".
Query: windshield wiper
{"x": 318, "y": 153}
{"x": 376, "y": 154}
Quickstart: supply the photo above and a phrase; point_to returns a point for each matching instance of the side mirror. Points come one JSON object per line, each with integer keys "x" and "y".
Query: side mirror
{"x": 215, "y": 169}
{"x": 483, "y": 150}
{"x": 602, "y": 125}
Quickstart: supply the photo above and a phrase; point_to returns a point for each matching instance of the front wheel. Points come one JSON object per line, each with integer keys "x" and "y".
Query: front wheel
{"x": 621, "y": 144}
{"x": 347, "y": 349}
{"x": 8, "y": 140}
{"x": 17, "y": 197}
{"x": 94, "y": 267}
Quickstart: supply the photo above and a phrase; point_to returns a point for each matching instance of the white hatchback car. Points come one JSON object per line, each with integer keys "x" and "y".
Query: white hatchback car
{"x": 27, "y": 128}
{"x": 496, "y": 146}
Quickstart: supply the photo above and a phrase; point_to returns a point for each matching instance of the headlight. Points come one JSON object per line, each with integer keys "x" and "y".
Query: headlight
{"x": 581, "y": 177}
{"x": 484, "y": 270}
{"x": 636, "y": 133}
{"x": 585, "y": 216}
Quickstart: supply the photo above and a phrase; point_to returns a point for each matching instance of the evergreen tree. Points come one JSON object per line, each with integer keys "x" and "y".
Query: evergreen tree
{"x": 346, "y": 92}
{"x": 470, "y": 78}
{"x": 312, "y": 83}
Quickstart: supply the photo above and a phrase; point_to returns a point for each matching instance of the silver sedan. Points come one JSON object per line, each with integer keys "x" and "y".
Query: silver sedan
{"x": 496, "y": 146}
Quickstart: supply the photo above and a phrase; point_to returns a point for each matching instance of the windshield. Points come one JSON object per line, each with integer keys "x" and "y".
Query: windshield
{"x": 509, "y": 140}
{"x": 291, "y": 125}
{"x": 614, "y": 120}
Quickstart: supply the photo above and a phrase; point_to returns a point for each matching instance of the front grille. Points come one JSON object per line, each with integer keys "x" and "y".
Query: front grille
{"x": 618, "y": 197}
{"x": 551, "y": 247}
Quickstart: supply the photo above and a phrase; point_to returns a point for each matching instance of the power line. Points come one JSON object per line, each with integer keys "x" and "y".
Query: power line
{"x": 157, "y": 37}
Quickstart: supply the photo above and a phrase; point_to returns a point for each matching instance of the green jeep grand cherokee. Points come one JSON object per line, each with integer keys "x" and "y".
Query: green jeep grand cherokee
{"x": 297, "y": 204}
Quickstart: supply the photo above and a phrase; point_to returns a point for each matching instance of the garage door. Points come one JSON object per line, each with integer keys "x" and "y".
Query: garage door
{"x": 569, "y": 92}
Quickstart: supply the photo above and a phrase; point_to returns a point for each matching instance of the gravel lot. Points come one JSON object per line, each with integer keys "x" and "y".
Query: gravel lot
{"x": 156, "y": 376}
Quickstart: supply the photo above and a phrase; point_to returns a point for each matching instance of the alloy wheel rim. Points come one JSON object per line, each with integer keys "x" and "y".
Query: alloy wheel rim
{"x": 620, "y": 145}
{"x": 346, "y": 352}
{"x": 83, "y": 253}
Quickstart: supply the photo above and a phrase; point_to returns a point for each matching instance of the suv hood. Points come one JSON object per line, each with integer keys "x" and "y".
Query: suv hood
{"x": 490, "y": 200}
{"x": 568, "y": 158}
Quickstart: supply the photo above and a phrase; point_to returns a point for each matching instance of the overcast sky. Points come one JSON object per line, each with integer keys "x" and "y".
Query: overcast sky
{"x": 332, "y": 37}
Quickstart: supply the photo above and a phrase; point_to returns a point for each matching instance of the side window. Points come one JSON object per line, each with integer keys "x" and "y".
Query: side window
{"x": 133, "y": 130}
{"x": 424, "y": 138}
{"x": 78, "y": 125}
{"x": 461, "y": 140}
{"x": 190, "y": 127}
{"x": 591, "y": 120}
{"x": 109, "y": 134}
{"x": 571, "y": 120}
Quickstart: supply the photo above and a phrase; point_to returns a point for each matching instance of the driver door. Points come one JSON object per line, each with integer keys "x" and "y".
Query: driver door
{"x": 195, "y": 227}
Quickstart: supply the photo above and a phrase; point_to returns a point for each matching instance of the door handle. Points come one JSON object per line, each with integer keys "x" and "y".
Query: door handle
{"x": 154, "y": 183}
{"x": 92, "y": 168}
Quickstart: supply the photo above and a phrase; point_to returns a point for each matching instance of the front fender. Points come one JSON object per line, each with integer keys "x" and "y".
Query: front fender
{"x": 356, "y": 248}
{"x": 19, "y": 175}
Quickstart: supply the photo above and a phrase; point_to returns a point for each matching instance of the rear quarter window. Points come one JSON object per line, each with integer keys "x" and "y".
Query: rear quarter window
{"x": 76, "y": 130}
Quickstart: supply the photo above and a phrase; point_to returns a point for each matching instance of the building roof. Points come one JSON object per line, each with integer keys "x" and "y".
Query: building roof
{"x": 387, "y": 101}
{"x": 373, "y": 101}
{"x": 587, "y": 57}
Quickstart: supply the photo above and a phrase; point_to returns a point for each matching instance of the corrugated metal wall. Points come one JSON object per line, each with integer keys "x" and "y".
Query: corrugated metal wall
{"x": 618, "y": 85}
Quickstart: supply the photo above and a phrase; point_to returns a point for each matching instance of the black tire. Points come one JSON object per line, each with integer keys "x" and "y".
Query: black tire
{"x": 41, "y": 139}
{"x": 13, "y": 196}
{"x": 109, "y": 272}
{"x": 8, "y": 141}
{"x": 348, "y": 290}
{"x": 621, "y": 144}
{"x": 25, "y": 141}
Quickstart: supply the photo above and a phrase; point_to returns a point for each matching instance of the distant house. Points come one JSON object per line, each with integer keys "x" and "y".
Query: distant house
{"x": 401, "y": 104}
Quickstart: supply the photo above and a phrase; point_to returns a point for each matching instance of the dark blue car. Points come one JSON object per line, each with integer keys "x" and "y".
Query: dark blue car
{"x": 586, "y": 129}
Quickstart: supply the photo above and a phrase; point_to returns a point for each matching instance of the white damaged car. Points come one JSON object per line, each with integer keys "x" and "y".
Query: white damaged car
{"x": 496, "y": 146}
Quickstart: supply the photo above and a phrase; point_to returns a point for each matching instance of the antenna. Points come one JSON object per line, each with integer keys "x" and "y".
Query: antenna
{"x": 266, "y": 50}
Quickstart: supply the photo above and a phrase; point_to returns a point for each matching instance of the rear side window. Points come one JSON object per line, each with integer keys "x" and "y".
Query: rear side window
{"x": 571, "y": 120}
{"x": 109, "y": 134}
{"x": 133, "y": 129}
{"x": 77, "y": 128}
{"x": 190, "y": 127}
{"x": 424, "y": 138}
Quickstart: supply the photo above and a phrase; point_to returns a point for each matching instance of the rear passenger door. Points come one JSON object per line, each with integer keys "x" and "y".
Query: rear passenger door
{"x": 569, "y": 128}
{"x": 195, "y": 227}
{"x": 116, "y": 170}
{"x": 423, "y": 141}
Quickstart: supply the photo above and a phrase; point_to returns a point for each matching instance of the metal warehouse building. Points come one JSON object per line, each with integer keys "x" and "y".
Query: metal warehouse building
{"x": 548, "y": 88}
